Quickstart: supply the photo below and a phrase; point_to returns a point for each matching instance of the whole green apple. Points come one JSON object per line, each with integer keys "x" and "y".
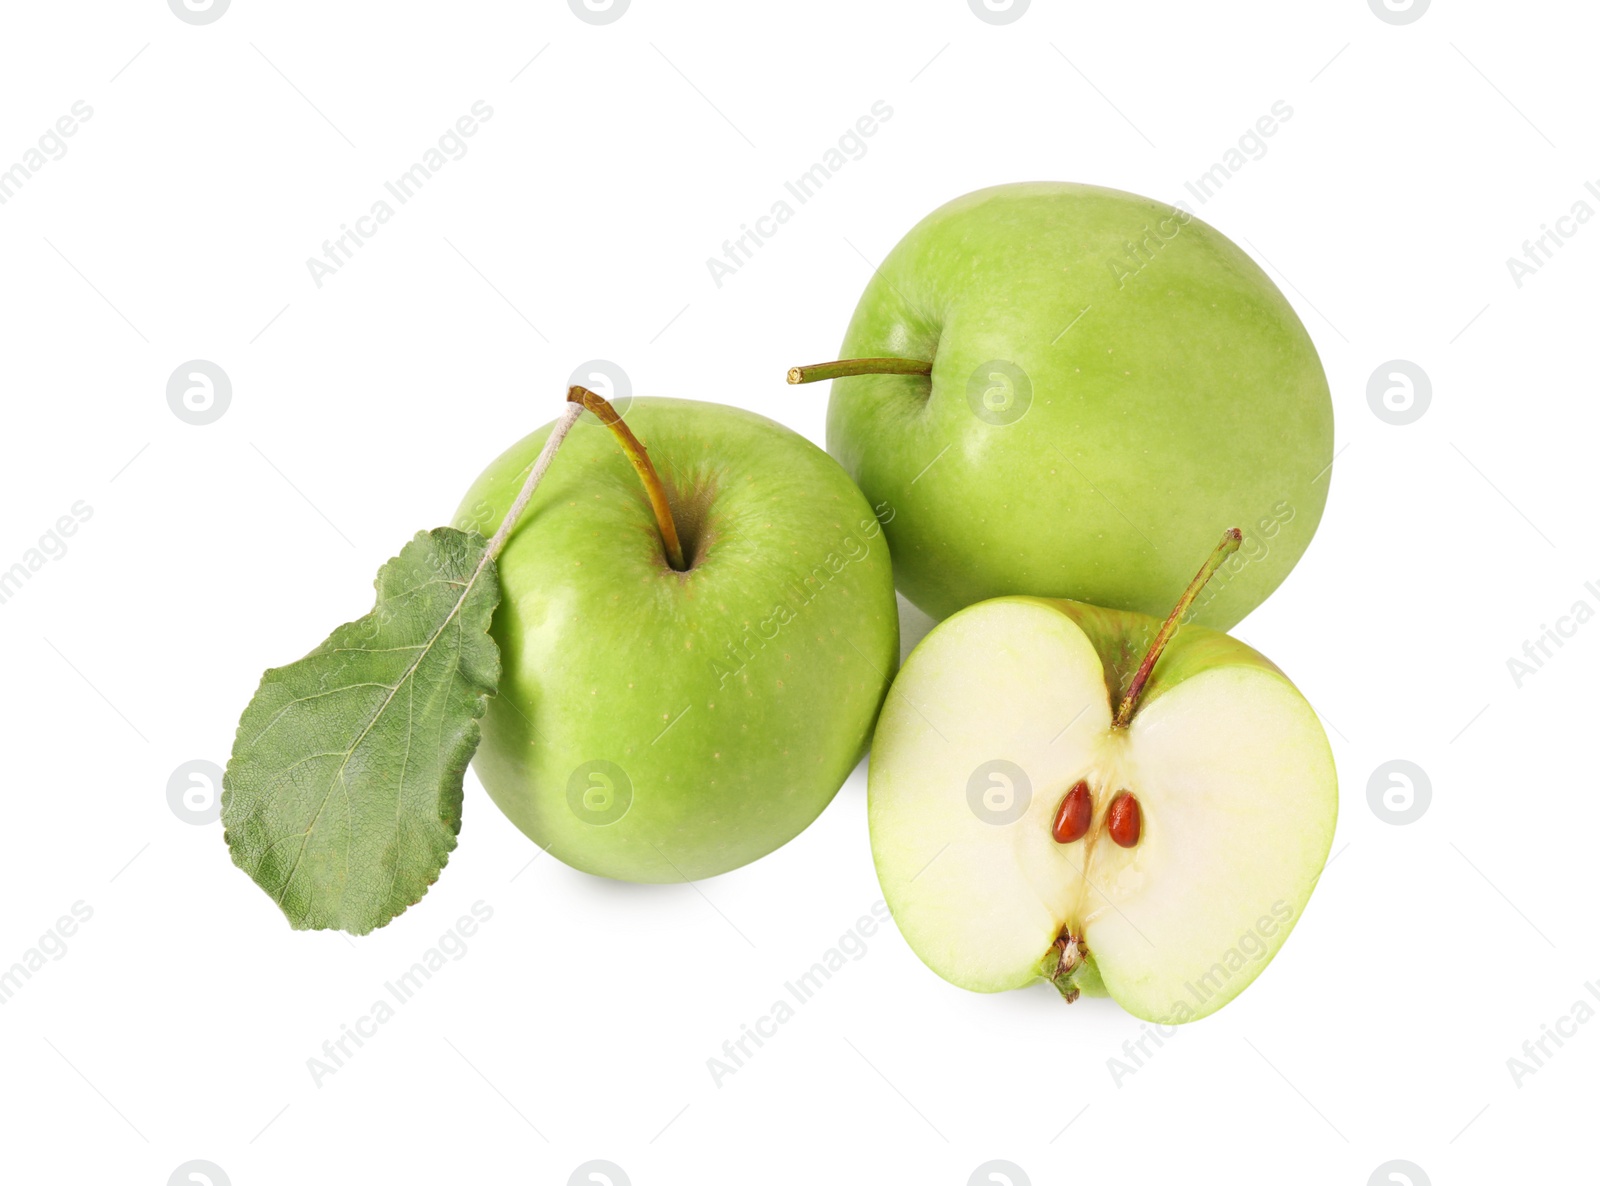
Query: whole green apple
{"x": 1111, "y": 379}
{"x": 662, "y": 725}
{"x": 1045, "y": 806}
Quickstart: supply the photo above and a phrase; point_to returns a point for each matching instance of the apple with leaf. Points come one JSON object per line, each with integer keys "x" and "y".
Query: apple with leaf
{"x": 664, "y": 672}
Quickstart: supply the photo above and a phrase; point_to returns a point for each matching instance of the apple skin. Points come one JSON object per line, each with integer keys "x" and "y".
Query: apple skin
{"x": 609, "y": 655}
{"x": 1186, "y": 397}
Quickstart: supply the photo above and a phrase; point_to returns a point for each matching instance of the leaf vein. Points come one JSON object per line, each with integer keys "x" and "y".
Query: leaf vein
{"x": 267, "y": 728}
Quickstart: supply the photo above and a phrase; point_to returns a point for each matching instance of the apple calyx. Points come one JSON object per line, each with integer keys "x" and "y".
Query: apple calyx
{"x": 1229, "y": 545}
{"x": 845, "y": 368}
{"x": 1062, "y": 964}
{"x": 640, "y": 457}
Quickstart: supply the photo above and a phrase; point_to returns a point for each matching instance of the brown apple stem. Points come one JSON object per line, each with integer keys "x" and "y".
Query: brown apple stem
{"x": 846, "y": 367}
{"x": 640, "y": 458}
{"x": 1229, "y": 545}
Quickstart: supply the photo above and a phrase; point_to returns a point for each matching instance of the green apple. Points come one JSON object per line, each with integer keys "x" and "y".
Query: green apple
{"x": 661, "y": 725}
{"x": 1110, "y": 379}
{"x": 1041, "y": 808}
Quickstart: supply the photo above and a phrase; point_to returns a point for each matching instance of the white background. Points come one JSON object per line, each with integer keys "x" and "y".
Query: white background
{"x": 219, "y": 157}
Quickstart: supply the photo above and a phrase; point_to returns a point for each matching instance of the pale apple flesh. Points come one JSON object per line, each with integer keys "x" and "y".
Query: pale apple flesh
{"x": 1233, "y": 775}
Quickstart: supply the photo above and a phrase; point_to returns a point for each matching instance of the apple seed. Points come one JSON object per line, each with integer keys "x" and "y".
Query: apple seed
{"x": 1072, "y": 817}
{"x": 1123, "y": 819}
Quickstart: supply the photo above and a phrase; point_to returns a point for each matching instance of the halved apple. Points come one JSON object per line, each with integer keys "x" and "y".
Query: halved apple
{"x": 1045, "y": 805}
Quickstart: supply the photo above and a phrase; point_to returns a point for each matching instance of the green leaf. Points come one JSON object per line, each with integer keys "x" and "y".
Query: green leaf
{"x": 343, "y": 795}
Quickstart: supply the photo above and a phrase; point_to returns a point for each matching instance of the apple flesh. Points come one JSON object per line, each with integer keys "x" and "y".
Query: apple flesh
{"x": 1008, "y": 706}
{"x": 1111, "y": 379}
{"x": 661, "y": 725}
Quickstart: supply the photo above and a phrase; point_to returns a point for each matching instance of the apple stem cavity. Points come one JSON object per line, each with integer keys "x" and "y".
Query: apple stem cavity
{"x": 1229, "y": 545}
{"x": 582, "y": 398}
{"x": 569, "y": 417}
{"x": 845, "y": 368}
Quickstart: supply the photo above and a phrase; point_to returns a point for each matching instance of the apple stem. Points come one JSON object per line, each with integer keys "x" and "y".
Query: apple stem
{"x": 1229, "y": 545}
{"x": 569, "y": 417}
{"x": 581, "y": 398}
{"x": 846, "y": 367}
